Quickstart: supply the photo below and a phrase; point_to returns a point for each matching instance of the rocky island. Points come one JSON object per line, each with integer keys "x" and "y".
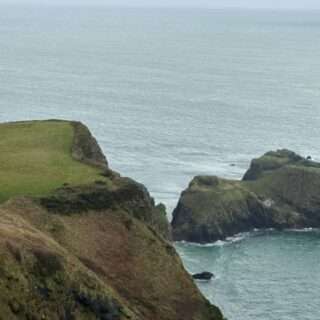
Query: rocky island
{"x": 77, "y": 240}
{"x": 280, "y": 190}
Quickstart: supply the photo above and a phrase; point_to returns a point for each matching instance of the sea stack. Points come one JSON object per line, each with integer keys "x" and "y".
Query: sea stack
{"x": 280, "y": 190}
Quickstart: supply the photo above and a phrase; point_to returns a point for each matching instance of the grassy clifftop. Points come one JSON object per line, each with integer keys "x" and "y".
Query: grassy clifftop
{"x": 80, "y": 242}
{"x": 36, "y": 158}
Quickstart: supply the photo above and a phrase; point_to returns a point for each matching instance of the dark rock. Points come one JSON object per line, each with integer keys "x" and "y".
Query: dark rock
{"x": 102, "y": 307}
{"x": 203, "y": 276}
{"x": 15, "y": 306}
{"x": 271, "y": 161}
{"x": 85, "y": 147}
{"x": 125, "y": 194}
{"x": 280, "y": 190}
{"x": 110, "y": 174}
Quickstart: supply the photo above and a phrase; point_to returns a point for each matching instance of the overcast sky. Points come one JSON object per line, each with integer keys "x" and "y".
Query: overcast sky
{"x": 293, "y": 4}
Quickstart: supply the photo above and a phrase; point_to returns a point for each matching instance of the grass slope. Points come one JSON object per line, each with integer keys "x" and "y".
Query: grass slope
{"x": 107, "y": 263}
{"x": 35, "y": 159}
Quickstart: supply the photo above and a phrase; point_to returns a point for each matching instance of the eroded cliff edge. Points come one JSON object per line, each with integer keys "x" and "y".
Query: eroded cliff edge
{"x": 78, "y": 241}
{"x": 280, "y": 190}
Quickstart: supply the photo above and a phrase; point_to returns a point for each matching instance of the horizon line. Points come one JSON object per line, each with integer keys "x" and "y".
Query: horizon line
{"x": 157, "y": 6}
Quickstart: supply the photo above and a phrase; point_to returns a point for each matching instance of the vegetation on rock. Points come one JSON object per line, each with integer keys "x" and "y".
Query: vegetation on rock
{"x": 36, "y": 159}
{"x": 280, "y": 190}
{"x": 82, "y": 242}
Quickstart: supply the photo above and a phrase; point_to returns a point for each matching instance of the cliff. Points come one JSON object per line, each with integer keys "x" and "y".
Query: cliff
{"x": 280, "y": 190}
{"x": 77, "y": 240}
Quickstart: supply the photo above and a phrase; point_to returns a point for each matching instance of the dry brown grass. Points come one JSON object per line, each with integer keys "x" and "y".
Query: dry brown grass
{"x": 142, "y": 268}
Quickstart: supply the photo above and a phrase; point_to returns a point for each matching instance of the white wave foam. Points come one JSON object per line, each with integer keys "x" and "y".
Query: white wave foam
{"x": 230, "y": 240}
{"x": 238, "y": 237}
{"x": 242, "y": 236}
{"x": 303, "y": 230}
{"x": 220, "y": 243}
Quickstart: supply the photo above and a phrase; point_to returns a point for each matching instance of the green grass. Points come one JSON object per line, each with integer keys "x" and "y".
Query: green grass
{"x": 35, "y": 159}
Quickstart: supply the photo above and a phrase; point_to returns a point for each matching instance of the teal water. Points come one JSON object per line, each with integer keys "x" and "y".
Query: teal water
{"x": 174, "y": 93}
{"x": 262, "y": 275}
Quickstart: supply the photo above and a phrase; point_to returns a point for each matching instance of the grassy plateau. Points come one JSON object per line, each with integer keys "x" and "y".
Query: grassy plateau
{"x": 36, "y": 159}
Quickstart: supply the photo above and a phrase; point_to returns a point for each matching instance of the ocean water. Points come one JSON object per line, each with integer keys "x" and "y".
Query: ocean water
{"x": 174, "y": 93}
{"x": 263, "y": 275}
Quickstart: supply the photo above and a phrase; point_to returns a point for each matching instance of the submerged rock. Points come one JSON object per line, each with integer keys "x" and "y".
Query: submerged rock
{"x": 203, "y": 276}
{"x": 280, "y": 190}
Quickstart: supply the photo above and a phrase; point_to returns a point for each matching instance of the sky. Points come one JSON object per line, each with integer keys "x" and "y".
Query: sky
{"x": 275, "y": 4}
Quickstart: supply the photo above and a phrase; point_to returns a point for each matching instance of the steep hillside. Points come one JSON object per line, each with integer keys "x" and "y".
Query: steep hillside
{"x": 87, "y": 244}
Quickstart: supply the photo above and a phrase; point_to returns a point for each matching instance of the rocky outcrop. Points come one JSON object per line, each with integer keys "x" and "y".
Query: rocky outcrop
{"x": 204, "y": 276}
{"x": 274, "y": 160}
{"x": 280, "y": 190}
{"x": 117, "y": 194}
{"x": 95, "y": 251}
{"x": 85, "y": 147}
{"x": 213, "y": 208}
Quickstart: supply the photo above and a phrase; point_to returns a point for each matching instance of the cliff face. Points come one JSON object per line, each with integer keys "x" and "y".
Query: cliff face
{"x": 92, "y": 250}
{"x": 212, "y": 208}
{"x": 280, "y": 190}
{"x": 85, "y": 147}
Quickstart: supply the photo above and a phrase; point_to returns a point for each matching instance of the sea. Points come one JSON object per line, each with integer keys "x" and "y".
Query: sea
{"x": 172, "y": 93}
